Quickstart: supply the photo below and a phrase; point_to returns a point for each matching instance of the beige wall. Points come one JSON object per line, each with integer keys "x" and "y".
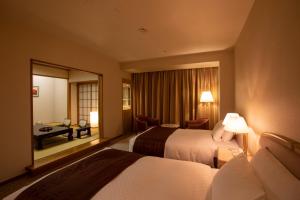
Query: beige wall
{"x": 80, "y": 76}
{"x": 60, "y": 100}
{"x": 19, "y": 43}
{"x": 52, "y": 103}
{"x": 226, "y": 62}
{"x": 268, "y": 68}
{"x": 49, "y": 71}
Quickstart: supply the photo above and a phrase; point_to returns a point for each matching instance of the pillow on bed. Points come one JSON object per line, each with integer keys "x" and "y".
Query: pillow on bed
{"x": 217, "y": 132}
{"x": 236, "y": 180}
{"x": 278, "y": 182}
{"x": 227, "y": 136}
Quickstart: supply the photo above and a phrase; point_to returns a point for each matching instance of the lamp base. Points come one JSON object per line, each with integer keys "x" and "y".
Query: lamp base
{"x": 245, "y": 143}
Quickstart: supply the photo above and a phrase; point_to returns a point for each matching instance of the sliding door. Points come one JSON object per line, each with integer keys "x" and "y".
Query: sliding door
{"x": 87, "y": 100}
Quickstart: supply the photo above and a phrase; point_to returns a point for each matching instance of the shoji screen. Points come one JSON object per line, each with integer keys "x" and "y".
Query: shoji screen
{"x": 88, "y": 100}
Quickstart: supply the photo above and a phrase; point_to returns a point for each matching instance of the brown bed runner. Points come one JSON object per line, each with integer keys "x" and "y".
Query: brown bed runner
{"x": 81, "y": 180}
{"x": 152, "y": 142}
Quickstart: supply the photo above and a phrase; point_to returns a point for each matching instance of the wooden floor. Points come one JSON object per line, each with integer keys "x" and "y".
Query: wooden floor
{"x": 23, "y": 180}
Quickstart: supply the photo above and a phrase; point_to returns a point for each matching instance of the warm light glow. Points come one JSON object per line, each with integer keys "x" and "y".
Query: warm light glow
{"x": 206, "y": 97}
{"x": 126, "y": 96}
{"x": 237, "y": 125}
{"x": 94, "y": 119}
{"x": 229, "y": 116}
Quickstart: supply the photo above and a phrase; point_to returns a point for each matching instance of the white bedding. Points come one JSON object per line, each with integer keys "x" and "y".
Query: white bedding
{"x": 160, "y": 179}
{"x": 157, "y": 178}
{"x": 191, "y": 145}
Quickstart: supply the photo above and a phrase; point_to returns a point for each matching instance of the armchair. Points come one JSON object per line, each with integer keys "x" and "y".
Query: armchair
{"x": 84, "y": 128}
{"x": 66, "y": 123}
{"x": 144, "y": 122}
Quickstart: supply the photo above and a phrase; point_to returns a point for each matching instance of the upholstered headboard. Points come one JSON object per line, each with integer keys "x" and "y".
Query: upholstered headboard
{"x": 286, "y": 150}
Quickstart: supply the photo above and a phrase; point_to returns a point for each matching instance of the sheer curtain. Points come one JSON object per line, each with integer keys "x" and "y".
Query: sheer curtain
{"x": 174, "y": 96}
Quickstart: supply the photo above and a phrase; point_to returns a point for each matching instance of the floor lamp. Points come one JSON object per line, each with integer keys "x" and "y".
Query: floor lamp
{"x": 206, "y": 98}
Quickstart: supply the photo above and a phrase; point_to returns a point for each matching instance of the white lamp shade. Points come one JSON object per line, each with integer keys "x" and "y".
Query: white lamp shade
{"x": 229, "y": 117}
{"x": 206, "y": 97}
{"x": 94, "y": 119}
{"x": 237, "y": 125}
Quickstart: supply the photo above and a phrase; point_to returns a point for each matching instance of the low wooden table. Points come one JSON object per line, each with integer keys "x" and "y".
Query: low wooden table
{"x": 39, "y": 136}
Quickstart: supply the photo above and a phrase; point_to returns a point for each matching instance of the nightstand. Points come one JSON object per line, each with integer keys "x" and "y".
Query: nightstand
{"x": 225, "y": 154}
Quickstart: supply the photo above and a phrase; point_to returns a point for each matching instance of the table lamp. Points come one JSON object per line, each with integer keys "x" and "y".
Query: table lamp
{"x": 238, "y": 125}
{"x": 229, "y": 117}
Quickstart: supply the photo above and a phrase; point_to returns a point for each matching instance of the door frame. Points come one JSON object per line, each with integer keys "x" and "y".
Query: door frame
{"x": 128, "y": 81}
{"x": 58, "y": 66}
{"x": 82, "y": 83}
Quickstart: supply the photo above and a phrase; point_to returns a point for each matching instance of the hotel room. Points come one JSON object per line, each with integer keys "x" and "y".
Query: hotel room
{"x": 150, "y": 99}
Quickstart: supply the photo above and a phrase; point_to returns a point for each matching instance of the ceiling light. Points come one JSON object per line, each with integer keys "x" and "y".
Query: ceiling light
{"x": 142, "y": 30}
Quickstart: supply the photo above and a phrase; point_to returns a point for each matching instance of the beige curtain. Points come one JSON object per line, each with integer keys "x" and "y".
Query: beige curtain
{"x": 174, "y": 96}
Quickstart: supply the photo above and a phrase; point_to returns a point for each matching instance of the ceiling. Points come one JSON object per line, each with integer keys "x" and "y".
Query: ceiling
{"x": 169, "y": 27}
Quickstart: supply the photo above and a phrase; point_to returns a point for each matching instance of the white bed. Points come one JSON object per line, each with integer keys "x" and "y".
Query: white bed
{"x": 160, "y": 178}
{"x": 192, "y": 145}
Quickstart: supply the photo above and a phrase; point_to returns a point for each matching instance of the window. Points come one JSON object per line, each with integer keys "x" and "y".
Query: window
{"x": 88, "y": 100}
{"x": 126, "y": 96}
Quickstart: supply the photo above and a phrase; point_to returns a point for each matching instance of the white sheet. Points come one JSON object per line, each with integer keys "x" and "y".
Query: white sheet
{"x": 157, "y": 178}
{"x": 191, "y": 145}
{"x": 160, "y": 179}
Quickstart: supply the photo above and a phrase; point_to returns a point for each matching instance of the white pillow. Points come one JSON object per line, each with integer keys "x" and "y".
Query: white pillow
{"x": 236, "y": 180}
{"x": 217, "y": 132}
{"x": 278, "y": 182}
{"x": 227, "y": 136}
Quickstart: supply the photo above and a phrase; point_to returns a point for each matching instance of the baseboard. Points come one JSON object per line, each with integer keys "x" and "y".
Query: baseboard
{"x": 13, "y": 178}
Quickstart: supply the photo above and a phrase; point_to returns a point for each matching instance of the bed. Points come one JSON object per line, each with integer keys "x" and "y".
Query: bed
{"x": 146, "y": 177}
{"x": 182, "y": 144}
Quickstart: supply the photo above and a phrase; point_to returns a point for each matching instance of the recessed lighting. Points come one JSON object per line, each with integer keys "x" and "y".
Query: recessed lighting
{"x": 143, "y": 30}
